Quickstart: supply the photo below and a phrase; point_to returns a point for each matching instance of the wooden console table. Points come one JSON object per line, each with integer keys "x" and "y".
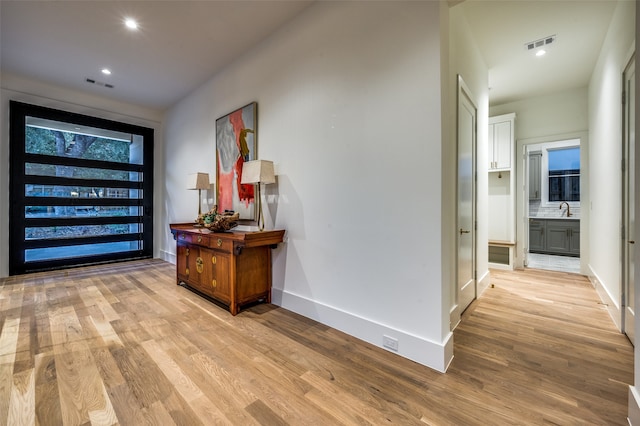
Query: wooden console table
{"x": 232, "y": 267}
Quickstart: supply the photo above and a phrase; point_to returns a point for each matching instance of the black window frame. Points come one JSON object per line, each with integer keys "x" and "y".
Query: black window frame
{"x": 563, "y": 184}
{"x": 18, "y": 113}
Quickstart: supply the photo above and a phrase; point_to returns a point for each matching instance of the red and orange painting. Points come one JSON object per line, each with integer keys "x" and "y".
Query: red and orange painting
{"x": 236, "y": 143}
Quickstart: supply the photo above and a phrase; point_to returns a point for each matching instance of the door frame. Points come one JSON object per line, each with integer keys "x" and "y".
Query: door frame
{"x": 522, "y": 195}
{"x": 627, "y": 260}
{"x": 463, "y": 90}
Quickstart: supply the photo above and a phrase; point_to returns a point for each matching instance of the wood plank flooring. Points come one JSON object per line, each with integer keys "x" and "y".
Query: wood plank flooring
{"x": 122, "y": 344}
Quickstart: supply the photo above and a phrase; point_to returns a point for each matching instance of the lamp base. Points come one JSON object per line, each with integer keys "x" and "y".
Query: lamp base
{"x": 260, "y": 215}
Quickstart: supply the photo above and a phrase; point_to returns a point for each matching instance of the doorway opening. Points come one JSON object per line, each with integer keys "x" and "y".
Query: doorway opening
{"x": 553, "y": 205}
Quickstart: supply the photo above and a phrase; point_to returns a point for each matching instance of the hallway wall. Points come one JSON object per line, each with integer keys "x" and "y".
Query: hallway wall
{"x": 350, "y": 110}
{"x": 605, "y": 147}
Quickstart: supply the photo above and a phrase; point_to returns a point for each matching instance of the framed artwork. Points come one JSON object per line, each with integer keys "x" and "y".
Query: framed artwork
{"x": 236, "y": 142}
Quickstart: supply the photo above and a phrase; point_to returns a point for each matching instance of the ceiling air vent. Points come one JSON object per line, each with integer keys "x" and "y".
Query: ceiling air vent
{"x": 540, "y": 43}
{"x": 99, "y": 83}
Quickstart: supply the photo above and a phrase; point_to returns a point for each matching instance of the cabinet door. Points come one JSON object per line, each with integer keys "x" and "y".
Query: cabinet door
{"x": 182, "y": 265}
{"x": 491, "y": 157}
{"x": 534, "y": 175}
{"x": 557, "y": 237}
{"x": 574, "y": 238}
{"x": 199, "y": 269}
{"x": 536, "y": 235}
{"x": 502, "y": 144}
{"x": 220, "y": 276}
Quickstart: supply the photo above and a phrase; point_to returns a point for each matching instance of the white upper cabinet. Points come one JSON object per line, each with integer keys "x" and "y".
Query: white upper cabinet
{"x": 501, "y": 142}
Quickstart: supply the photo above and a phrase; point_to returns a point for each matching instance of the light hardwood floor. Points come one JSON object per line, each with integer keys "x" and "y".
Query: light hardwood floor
{"x": 123, "y": 344}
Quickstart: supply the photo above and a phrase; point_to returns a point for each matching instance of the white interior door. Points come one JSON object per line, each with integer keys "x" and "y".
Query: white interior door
{"x": 467, "y": 115}
{"x": 629, "y": 201}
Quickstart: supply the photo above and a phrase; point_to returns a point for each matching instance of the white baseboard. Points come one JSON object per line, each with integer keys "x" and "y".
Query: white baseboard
{"x": 168, "y": 256}
{"x": 431, "y": 354}
{"x": 454, "y": 317}
{"x": 633, "y": 416}
{"x": 500, "y": 266}
{"x": 483, "y": 283}
{"x": 612, "y": 306}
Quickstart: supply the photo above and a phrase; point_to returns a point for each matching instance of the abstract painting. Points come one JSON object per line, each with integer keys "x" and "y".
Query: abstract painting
{"x": 236, "y": 136}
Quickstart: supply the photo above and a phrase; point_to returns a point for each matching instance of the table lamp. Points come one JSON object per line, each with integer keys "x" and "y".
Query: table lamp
{"x": 258, "y": 172}
{"x": 199, "y": 181}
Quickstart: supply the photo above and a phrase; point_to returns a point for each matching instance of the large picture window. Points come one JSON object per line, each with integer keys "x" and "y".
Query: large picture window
{"x": 80, "y": 188}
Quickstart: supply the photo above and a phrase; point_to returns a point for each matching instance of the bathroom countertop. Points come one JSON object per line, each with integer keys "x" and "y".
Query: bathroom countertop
{"x": 553, "y": 218}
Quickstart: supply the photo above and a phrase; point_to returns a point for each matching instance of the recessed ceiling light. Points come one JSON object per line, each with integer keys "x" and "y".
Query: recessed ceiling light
{"x": 541, "y": 52}
{"x": 131, "y": 23}
{"x": 106, "y": 71}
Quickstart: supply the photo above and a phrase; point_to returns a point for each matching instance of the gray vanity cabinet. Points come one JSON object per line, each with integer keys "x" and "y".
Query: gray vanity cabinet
{"x": 574, "y": 238}
{"x": 536, "y": 235}
{"x": 554, "y": 236}
{"x": 535, "y": 178}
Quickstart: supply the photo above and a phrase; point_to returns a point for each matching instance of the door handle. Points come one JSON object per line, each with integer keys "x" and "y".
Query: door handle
{"x": 464, "y": 232}
{"x": 632, "y": 242}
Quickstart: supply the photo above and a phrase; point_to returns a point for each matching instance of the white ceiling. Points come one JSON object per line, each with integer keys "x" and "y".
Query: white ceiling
{"x": 181, "y": 44}
{"x": 501, "y": 29}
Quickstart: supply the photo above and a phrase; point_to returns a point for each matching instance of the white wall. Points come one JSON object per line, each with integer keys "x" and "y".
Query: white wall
{"x": 349, "y": 110}
{"x": 37, "y": 93}
{"x": 467, "y": 62}
{"x": 547, "y": 118}
{"x": 547, "y": 115}
{"x": 605, "y": 147}
{"x": 634, "y": 390}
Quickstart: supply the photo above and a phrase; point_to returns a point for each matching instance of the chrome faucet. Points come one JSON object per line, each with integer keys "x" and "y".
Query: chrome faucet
{"x": 568, "y": 208}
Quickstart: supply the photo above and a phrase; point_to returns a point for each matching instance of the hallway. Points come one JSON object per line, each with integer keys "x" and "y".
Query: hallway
{"x": 544, "y": 343}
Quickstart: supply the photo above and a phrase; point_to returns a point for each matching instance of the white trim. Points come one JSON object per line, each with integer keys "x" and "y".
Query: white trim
{"x": 483, "y": 283}
{"x": 168, "y": 256}
{"x": 612, "y": 306}
{"x": 463, "y": 90}
{"x": 522, "y": 195}
{"x": 502, "y": 117}
{"x": 633, "y": 413}
{"x": 431, "y": 354}
{"x": 454, "y": 317}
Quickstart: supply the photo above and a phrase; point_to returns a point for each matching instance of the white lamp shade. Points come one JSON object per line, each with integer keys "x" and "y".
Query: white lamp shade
{"x": 199, "y": 181}
{"x": 258, "y": 171}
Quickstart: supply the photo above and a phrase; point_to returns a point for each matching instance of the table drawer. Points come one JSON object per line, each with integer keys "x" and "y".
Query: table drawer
{"x": 218, "y": 243}
{"x": 198, "y": 239}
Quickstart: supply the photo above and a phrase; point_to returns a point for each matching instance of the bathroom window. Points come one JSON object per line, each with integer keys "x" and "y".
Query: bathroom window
{"x": 564, "y": 174}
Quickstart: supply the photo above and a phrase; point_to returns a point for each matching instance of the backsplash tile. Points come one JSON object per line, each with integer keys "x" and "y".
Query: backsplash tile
{"x": 536, "y": 209}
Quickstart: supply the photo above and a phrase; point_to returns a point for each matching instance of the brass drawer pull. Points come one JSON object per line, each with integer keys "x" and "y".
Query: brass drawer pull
{"x": 199, "y": 265}
{"x": 199, "y": 238}
{"x": 213, "y": 260}
{"x": 214, "y": 283}
{"x": 219, "y": 242}
{"x": 182, "y": 236}
{"x": 187, "y": 252}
